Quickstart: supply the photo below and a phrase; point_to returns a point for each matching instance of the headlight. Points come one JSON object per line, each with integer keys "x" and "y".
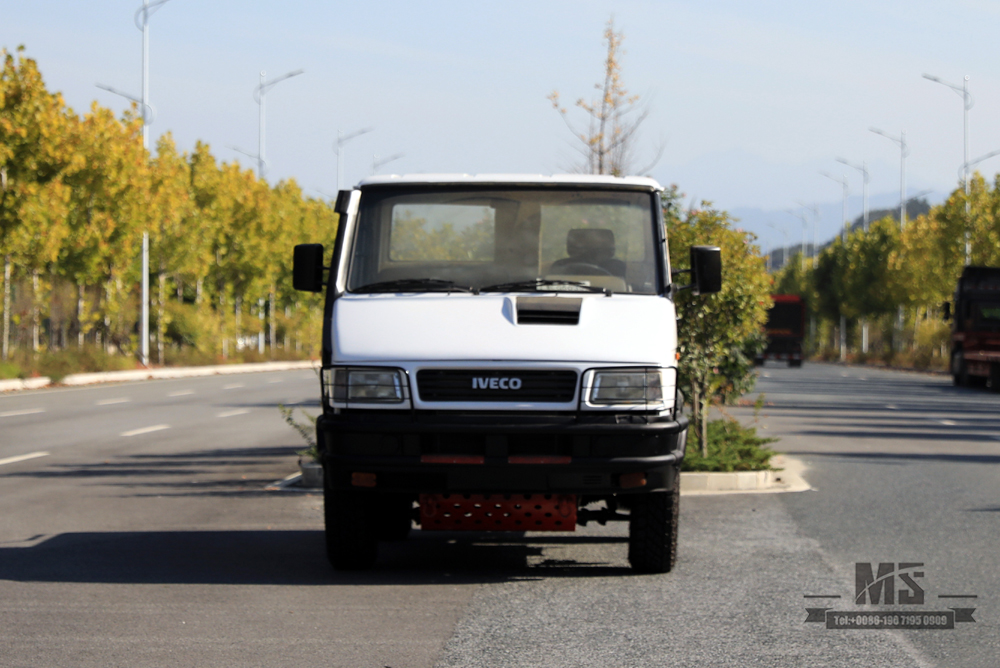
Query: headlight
{"x": 639, "y": 388}
{"x": 366, "y": 386}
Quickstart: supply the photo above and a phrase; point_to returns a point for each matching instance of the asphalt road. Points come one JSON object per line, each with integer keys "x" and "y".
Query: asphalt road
{"x": 129, "y": 545}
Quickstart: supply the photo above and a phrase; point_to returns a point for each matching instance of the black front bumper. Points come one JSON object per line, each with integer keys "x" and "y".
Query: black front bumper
{"x": 437, "y": 454}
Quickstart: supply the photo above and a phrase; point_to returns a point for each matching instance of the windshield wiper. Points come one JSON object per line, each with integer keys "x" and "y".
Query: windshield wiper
{"x": 539, "y": 285}
{"x": 414, "y": 285}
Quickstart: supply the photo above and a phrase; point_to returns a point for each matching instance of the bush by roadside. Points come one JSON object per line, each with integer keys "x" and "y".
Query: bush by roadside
{"x": 731, "y": 447}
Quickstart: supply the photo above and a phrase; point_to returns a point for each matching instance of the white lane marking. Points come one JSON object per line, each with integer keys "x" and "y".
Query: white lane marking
{"x": 238, "y": 411}
{"x": 233, "y": 386}
{"x": 891, "y": 407}
{"x": 26, "y": 411}
{"x": 110, "y": 402}
{"x": 276, "y": 380}
{"x": 950, "y": 423}
{"x": 146, "y": 430}
{"x": 843, "y": 375}
{"x": 180, "y": 393}
{"x": 766, "y": 375}
{"x": 22, "y": 458}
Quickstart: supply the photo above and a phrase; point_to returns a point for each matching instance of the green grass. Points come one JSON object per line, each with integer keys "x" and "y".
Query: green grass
{"x": 731, "y": 447}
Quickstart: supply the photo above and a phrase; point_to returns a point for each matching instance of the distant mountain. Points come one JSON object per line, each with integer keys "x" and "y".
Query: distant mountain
{"x": 780, "y": 233}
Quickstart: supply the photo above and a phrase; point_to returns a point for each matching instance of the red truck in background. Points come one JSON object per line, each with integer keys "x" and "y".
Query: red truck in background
{"x": 975, "y": 331}
{"x": 785, "y": 330}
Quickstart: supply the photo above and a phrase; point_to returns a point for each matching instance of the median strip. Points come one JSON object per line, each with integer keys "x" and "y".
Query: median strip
{"x": 239, "y": 411}
{"x": 22, "y": 458}
{"x": 146, "y": 430}
{"x": 26, "y": 411}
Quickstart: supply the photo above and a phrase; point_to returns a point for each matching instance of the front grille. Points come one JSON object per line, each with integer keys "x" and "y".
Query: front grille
{"x": 496, "y": 385}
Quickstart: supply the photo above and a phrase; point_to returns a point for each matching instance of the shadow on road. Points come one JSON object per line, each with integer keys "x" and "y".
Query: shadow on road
{"x": 289, "y": 558}
{"x": 902, "y": 457}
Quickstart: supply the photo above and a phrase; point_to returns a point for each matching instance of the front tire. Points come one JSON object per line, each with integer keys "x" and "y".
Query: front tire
{"x": 652, "y": 529}
{"x": 351, "y": 542}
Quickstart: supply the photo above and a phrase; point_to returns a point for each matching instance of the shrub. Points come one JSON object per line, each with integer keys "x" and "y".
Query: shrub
{"x": 731, "y": 447}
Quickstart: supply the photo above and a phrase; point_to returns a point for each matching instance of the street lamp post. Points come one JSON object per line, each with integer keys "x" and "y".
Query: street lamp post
{"x": 865, "y": 176}
{"x": 376, "y": 163}
{"x": 148, "y": 114}
{"x": 805, "y": 221}
{"x": 260, "y": 97}
{"x": 843, "y": 320}
{"x": 967, "y": 103}
{"x": 903, "y": 152}
{"x": 339, "y": 149}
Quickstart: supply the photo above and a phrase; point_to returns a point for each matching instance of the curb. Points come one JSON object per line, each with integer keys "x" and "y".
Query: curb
{"x": 787, "y": 479}
{"x": 77, "y": 379}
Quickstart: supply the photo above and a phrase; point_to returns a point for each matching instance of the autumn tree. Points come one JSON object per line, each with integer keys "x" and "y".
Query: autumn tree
{"x": 718, "y": 335}
{"x": 613, "y": 118}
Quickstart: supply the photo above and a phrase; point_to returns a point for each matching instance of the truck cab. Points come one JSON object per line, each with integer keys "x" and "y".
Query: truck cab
{"x": 499, "y": 354}
{"x": 975, "y": 337}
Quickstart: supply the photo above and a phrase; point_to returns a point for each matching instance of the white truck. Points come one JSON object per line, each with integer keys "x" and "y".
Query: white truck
{"x": 499, "y": 354}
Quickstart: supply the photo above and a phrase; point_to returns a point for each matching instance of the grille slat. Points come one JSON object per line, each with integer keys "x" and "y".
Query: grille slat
{"x": 468, "y": 385}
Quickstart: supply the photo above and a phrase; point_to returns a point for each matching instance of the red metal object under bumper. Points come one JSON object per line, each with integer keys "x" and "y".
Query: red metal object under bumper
{"x": 498, "y": 512}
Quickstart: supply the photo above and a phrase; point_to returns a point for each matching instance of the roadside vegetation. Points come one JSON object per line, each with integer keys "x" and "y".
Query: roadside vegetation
{"x": 895, "y": 281}
{"x": 77, "y": 193}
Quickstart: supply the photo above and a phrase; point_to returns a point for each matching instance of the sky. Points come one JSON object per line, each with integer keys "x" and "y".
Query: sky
{"x": 750, "y": 101}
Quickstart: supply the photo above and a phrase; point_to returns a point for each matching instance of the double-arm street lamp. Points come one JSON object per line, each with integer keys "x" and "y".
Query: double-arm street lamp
{"x": 339, "y": 149}
{"x": 843, "y": 321}
{"x": 903, "y": 152}
{"x": 378, "y": 164}
{"x": 260, "y": 97}
{"x": 863, "y": 168}
{"x": 148, "y": 114}
{"x": 967, "y": 103}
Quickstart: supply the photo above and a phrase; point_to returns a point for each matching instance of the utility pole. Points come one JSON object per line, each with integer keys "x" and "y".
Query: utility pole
{"x": 843, "y": 320}
{"x": 339, "y": 149}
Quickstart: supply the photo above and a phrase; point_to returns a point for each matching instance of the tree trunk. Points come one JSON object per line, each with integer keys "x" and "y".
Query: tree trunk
{"x": 197, "y": 292}
{"x": 34, "y": 310}
{"x": 79, "y": 315}
{"x": 696, "y": 413}
{"x": 161, "y": 328}
{"x": 6, "y": 306}
{"x": 260, "y": 329}
{"x": 271, "y": 322}
{"x": 704, "y": 428}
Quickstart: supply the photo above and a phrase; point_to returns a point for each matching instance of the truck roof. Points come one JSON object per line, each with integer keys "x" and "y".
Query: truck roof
{"x": 584, "y": 180}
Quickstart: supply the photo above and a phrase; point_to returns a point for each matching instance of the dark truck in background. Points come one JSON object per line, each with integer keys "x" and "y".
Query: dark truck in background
{"x": 975, "y": 332}
{"x": 785, "y": 330}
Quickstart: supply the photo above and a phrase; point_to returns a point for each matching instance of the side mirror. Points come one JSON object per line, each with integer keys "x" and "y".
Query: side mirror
{"x": 706, "y": 269}
{"x": 307, "y": 268}
{"x": 946, "y": 306}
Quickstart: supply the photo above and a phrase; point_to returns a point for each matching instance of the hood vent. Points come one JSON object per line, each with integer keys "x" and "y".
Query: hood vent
{"x": 548, "y": 311}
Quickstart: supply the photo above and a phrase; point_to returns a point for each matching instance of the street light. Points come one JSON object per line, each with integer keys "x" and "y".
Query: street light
{"x": 843, "y": 321}
{"x": 863, "y": 168}
{"x": 376, "y": 163}
{"x": 903, "y": 152}
{"x": 843, "y": 182}
{"x": 967, "y": 103}
{"x": 259, "y": 96}
{"x": 339, "y": 149}
{"x": 805, "y": 221}
{"x": 148, "y": 114}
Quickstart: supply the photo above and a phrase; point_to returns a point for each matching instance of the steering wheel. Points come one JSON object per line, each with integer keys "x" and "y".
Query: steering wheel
{"x": 584, "y": 268}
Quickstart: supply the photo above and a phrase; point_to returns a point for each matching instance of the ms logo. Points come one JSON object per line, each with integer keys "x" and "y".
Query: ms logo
{"x": 870, "y": 585}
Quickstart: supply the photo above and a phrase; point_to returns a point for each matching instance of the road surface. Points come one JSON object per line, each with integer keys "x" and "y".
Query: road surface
{"x": 144, "y": 536}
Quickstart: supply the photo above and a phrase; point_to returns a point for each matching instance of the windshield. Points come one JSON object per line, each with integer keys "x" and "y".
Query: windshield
{"x": 518, "y": 240}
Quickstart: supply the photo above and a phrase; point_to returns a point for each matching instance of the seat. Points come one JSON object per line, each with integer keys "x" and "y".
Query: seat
{"x": 591, "y": 251}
